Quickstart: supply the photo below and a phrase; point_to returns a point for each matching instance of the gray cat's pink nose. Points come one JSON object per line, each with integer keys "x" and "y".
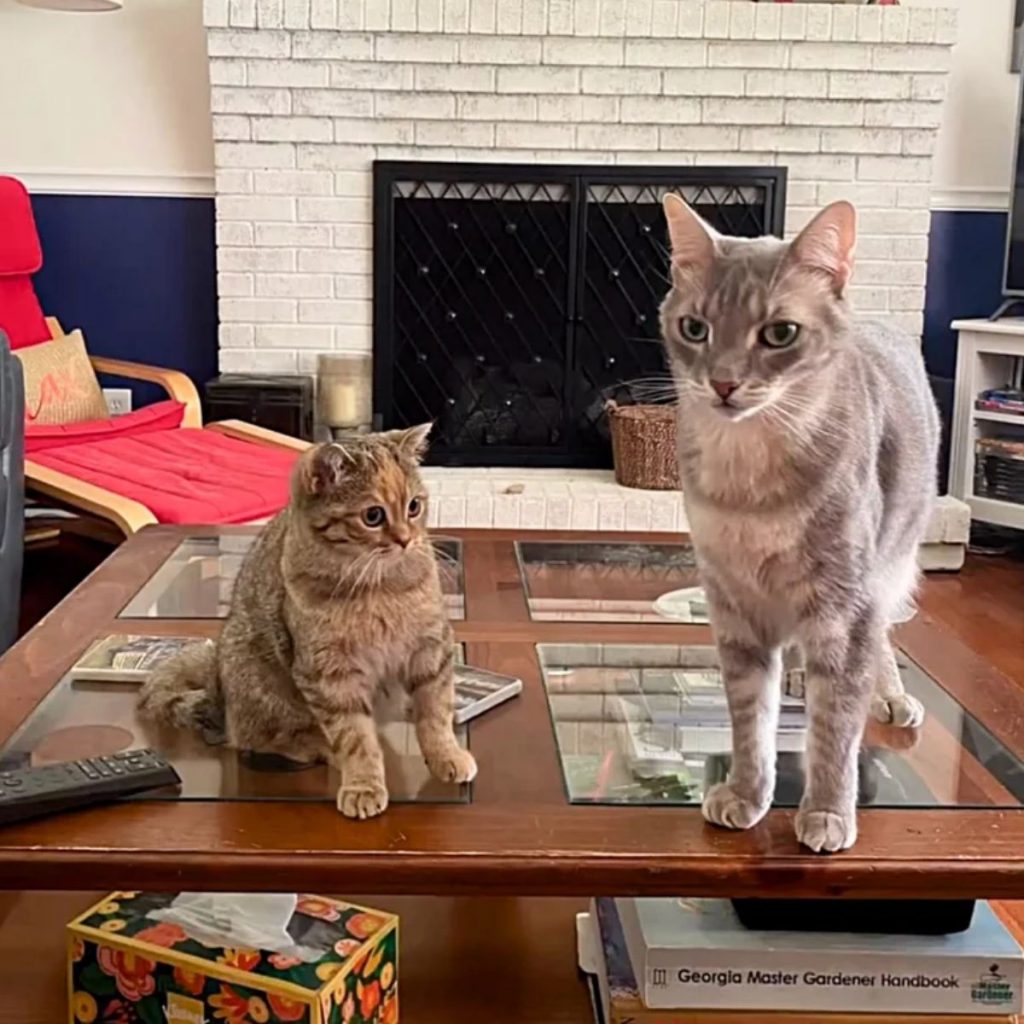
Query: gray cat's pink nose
{"x": 724, "y": 388}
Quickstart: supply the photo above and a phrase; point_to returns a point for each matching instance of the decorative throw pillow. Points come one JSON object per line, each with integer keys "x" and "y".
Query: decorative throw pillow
{"x": 60, "y": 383}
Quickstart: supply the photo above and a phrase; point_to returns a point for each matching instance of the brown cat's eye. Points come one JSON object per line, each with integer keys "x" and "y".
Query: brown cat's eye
{"x": 375, "y": 516}
{"x": 415, "y": 507}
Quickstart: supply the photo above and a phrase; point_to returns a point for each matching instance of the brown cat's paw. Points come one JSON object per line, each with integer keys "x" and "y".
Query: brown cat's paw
{"x": 362, "y": 800}
{"x": 724, "y": 806}
{"x": 826, "y": 831}
{"x": 456, "y": 765}
{"x": 901, "y": 710}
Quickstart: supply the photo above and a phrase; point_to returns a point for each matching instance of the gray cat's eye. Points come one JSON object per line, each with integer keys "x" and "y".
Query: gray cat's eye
{"x": 374, "y": 516}
{"x": 780, "y": 335}
{"x": 694, "y": 329}
{"x": 415, "y": 508}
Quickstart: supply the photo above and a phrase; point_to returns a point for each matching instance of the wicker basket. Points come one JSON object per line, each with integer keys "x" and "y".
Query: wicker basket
{"x": 644, "y": 446}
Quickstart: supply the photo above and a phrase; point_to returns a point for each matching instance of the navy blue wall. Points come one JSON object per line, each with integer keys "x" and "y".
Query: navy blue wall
{"x": 136, "y": 274}
{"x": 965, "y": 275}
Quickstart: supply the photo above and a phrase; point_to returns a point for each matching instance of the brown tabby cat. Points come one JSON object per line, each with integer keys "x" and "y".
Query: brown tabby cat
{"x": 339, "y": 596}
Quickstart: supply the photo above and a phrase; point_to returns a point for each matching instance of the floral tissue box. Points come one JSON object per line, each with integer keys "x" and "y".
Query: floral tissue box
{"x": 124, "y": 967}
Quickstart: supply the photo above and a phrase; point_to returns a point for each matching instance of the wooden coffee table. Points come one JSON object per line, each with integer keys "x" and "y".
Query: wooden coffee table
{"x": 950, "y": 825}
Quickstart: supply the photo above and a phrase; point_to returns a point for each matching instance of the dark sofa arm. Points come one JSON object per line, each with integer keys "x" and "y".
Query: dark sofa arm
{"x": 12, "y": 491}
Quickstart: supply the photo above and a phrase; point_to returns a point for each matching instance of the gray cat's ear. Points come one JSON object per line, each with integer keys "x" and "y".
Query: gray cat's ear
{"x": 411, "y": 443}
{"x": 826, "y": 245}
{"x": 322, "y": 468}
{"x": 693, "y": 241}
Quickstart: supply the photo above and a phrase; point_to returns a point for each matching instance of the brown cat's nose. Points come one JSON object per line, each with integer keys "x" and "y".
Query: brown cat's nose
{"x": 724, "y": 388}
{"x": 403, "y": 540}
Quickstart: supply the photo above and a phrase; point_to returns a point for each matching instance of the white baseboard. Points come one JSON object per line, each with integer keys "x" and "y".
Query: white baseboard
{"x": 968, "y": 199}
{"x": 964, "y": 198}
{"x": 85, "y": 183}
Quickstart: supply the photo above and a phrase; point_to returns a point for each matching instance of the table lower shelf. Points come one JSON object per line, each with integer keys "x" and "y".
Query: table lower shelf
{"x": 504, "y": 961}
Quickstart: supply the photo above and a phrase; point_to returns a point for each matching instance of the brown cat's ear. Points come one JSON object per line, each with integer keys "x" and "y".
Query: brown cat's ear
{"x": 411, "y": 443}
{"x": 322, "y": 468}
{"x": 693, "y": 241}
{"x": 826, "y": 245}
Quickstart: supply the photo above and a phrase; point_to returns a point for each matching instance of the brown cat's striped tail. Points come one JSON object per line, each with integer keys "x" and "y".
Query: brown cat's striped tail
{"x": 185, "y": 692}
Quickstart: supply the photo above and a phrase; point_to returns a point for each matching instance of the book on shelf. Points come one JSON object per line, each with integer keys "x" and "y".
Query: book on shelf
{"x": 604, "y": 958}
{"x": 697, "y": 954}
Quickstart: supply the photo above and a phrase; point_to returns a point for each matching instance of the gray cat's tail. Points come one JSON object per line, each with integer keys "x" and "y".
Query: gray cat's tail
{"x": 185, "y": 692}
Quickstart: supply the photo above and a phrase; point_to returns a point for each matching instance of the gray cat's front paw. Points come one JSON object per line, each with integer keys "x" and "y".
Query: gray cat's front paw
{"x": 455, "y": 765}
{"x": 724, "y": 806}
{"x": 901, "y": 710}
{"x": 362, "y": 800}
{"x": 826, "y": 831}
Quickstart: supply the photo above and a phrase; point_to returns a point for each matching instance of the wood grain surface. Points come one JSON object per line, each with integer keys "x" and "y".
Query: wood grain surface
{"x": 519, "y": 836}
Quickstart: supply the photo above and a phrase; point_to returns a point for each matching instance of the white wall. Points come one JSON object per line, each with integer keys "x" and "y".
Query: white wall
{"x": 115, "y": 102}
{"x": 973, "y": 161}
{"x": 119, "y": 102}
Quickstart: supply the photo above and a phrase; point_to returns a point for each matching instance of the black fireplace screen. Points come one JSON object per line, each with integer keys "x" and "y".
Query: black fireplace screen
{"x": 511, "y": 302}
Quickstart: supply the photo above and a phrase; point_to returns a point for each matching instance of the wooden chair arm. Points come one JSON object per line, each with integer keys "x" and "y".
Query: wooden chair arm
{"x": 259, "y": 435}
{"x": 174, "y": 382}
{"x": 127, "y": 515}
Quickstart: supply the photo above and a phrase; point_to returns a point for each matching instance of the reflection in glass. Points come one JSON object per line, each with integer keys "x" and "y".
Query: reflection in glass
{"x": 86, "y": 719}
{"x": 611, "y": 582}
{"x": 196, "y": 581}
{"x": 649, "y": 725}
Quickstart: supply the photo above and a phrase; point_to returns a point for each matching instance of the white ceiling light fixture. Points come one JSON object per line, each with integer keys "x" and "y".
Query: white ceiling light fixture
{"x": 74, "y": 5}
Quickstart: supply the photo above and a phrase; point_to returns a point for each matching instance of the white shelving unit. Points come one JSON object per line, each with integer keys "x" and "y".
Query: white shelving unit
{"x": 987, "y": 356}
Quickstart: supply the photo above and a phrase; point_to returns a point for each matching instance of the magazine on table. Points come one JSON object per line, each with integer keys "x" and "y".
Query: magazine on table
{"x": 477, "y": 691}
{"x": 129, "y": 659}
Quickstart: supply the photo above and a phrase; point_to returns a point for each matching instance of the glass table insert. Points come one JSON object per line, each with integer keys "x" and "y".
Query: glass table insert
{"x": 611, "y": 582}
{"x": 81, "y": 718}
{"x": 197, "y": 579}
{"x": 648, "y": 725}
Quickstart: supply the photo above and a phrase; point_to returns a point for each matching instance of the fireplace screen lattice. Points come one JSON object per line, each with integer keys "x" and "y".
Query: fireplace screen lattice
{"x": 510, "y": 302}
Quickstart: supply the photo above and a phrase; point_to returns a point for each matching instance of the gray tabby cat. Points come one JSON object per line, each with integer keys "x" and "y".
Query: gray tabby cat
{"x": 808, "y": 444}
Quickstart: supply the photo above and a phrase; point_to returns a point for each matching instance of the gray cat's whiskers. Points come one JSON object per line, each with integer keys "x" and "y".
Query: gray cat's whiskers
{"x": 829, "y": 429}
{"x": 658, "y": 388}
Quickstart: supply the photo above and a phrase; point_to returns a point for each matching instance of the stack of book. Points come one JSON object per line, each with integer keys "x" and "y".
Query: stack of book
{"x": 671, "y": 961}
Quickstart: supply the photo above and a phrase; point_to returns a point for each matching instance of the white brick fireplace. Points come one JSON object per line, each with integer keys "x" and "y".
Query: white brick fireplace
{"x": 307, "y": 93}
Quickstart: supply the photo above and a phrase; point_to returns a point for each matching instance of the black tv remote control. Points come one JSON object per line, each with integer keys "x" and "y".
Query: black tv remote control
{"x": 69, "y": 785}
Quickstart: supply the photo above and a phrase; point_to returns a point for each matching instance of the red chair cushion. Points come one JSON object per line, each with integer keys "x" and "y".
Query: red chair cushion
{"x": 161, "y": 416}
{"x": 185, "y": 475}
{"x": 21, "y": 317}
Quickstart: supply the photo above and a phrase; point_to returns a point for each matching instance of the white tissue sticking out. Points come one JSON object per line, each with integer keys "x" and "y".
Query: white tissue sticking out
{"x": 233, "y": 920}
